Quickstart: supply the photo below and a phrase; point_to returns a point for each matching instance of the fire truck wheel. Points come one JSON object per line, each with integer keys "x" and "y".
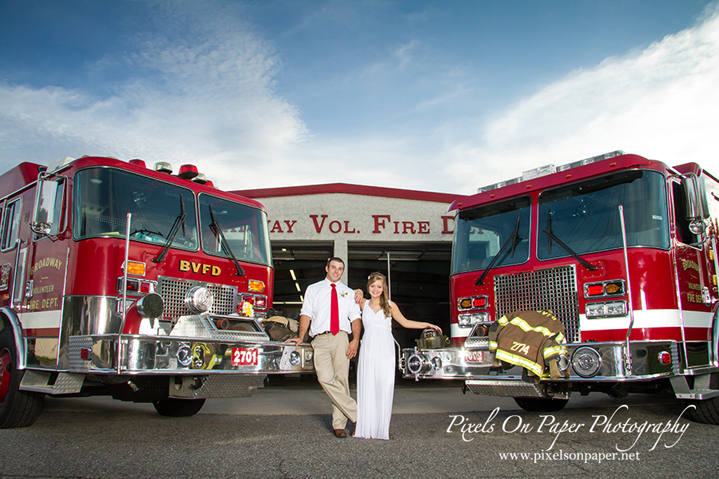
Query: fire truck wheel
{"x": 178, "y": 407}
{"x": 706, "y": 412}
{"x": 17, "y": 408}
{"x": 541, "y": 404}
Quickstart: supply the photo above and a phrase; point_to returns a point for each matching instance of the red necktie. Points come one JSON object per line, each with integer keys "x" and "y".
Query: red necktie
{"x": 334, "y": 312}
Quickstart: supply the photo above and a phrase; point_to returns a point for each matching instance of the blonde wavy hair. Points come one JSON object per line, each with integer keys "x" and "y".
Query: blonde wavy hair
{"x": 384, "y": 298}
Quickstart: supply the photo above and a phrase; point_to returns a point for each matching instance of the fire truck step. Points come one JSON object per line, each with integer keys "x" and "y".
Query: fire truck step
{"x": 505, "y": 387}
{"x": 38, "y": 381}
{"x": 682, "y": 390}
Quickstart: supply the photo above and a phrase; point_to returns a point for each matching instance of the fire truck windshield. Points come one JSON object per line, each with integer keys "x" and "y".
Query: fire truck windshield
{"x": 243, "y": 227}
{"x": 104, "y": 196}
{"x": 585, "y": 216}
{"x": 481, "y": 232}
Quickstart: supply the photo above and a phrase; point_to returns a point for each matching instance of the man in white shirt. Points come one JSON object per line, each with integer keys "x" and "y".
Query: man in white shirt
{"x": 329, "y": 322}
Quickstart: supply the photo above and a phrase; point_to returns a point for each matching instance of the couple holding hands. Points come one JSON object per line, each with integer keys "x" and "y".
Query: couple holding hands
{"x": 330, "y": 312}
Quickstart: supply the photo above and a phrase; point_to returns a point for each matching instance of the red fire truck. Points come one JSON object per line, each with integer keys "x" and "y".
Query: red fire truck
{"x": 622, "y": 250}
{"x": 117, "y": 279}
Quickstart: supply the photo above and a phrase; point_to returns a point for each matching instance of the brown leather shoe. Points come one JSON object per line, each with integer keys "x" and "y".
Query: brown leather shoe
{"x": 340, "y": 433}
{"x": 354, "y": 428}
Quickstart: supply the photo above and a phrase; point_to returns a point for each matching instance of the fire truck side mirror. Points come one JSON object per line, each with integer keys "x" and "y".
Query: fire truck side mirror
{"x": 697, "y": 227}
{"x": 47, "y": 214}
{"x": 697, "y": 208}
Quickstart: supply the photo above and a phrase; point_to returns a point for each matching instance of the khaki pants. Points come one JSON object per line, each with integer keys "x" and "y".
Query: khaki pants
{"x": 332, "y": 367}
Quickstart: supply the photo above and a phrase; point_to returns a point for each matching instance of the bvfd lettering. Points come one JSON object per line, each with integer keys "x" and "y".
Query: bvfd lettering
{"x": 199, "y": 268}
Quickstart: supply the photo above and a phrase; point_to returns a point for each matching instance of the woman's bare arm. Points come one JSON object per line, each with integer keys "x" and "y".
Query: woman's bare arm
{"x": 408, "y": 323}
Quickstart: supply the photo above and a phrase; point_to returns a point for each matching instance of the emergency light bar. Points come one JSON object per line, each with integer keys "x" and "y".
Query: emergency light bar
{"x": 188, "y": 172}
{"x": 593, "y": 159}
{"x": 138, "y": 162}
{"x": 548, "y": 170}
{"x": 163, "y": 167}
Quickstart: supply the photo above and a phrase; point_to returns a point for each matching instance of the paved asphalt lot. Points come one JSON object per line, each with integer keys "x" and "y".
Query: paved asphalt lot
{"x": 283, "y": 431}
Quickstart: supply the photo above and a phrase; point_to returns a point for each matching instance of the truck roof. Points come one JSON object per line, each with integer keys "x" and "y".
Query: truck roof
{"x": 14, "y": 179}
{"x": 519, "y": 186}
{"x": 26, "y": 173}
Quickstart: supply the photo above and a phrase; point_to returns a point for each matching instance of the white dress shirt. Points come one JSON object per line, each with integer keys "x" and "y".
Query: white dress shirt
{"x": 318, "y": 303}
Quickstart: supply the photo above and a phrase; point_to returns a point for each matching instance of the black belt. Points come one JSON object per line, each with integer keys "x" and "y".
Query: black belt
{"x": 327, "y": 332}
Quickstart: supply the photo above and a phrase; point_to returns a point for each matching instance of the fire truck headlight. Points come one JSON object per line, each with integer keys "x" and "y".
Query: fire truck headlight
{"x": 469, "y": 319}
{"x": 608, "y": 309}
{"x": 150, "y": 305}
{"x": 586, "y": 362}
{"x": 198, "y": 300}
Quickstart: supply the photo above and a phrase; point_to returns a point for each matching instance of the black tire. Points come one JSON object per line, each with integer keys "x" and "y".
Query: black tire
{"x": 706, "y": 412}
{"x": 541, "y": 404}
{"x": 178, "y": 407}
{"x": 17, "y": 408}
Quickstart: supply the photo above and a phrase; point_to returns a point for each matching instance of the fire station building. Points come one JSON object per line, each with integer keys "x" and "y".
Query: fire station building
{"x": 371, "y": 228}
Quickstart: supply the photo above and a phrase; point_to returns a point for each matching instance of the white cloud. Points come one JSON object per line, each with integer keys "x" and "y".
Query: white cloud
{"x": 201, "y": 88}
{"x": 403, "y": 53}
{"x": 198, "y": 89}
{"x": 661, "y": 103}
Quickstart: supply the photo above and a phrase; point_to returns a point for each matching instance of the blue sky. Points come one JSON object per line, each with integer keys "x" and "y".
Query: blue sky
{"x": 429, "y": 95}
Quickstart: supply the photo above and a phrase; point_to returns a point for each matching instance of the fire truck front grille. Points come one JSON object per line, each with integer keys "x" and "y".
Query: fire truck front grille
{"x": 173, "y": 293}
{"x": 553, "y": 289}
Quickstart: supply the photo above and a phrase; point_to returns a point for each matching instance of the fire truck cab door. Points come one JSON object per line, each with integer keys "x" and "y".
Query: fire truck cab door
{"x": 692, "y": 248}
{"x": 14, "y": 252}
{"x": 43, "y": 258}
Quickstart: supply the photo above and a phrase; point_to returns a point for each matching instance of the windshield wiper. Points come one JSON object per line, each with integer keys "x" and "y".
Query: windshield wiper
{"x": 217, "y": 231}
{"x": 514, "y": 239}
{"x": 553, "y": 237}
{"x": 179, "y": 221}
{"x": 549, "y": 228}
{"x": 146, "y": 232}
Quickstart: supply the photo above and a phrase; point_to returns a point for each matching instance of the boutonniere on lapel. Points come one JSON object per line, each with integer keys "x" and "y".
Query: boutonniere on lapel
{"x": 343, "y": 293}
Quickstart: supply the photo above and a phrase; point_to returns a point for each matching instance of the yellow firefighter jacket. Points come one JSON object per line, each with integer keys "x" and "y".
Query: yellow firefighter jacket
{"x": 530, "y": 339}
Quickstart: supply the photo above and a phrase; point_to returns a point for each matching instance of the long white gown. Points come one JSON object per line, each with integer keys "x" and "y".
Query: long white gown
{"x": 375, "y": 376}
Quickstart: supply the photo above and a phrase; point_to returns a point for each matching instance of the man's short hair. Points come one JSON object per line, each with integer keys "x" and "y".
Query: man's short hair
{"x": 336, "y": 258}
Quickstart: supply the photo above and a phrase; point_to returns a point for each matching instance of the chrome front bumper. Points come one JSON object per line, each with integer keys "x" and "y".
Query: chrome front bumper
{"x": 135, "y": 354}
{"x": 586, "y": 362}
{"x": 194, "y": 345}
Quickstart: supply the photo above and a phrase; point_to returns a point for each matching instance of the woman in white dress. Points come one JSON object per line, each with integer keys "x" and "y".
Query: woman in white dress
{"x": 376, "y": 368}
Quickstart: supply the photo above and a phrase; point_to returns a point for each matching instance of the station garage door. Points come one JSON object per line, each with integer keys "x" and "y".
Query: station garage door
{"x": 418, "y": 273}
